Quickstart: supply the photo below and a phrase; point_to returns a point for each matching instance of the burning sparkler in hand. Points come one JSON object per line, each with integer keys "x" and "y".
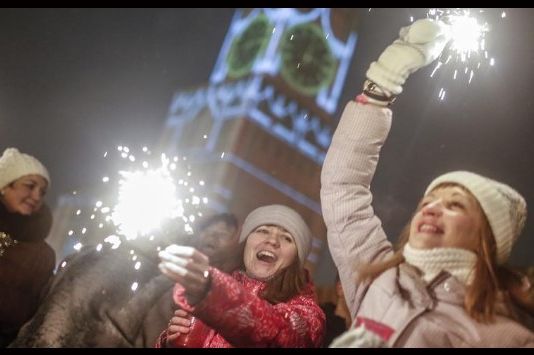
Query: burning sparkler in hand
{"x": 144, "y": 199}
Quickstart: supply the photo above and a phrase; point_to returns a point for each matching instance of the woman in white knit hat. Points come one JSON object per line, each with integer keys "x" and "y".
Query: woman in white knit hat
{"x": 271, "y": 302}
{"x": 444, "y": 286}
{"x": 26, "y": 260}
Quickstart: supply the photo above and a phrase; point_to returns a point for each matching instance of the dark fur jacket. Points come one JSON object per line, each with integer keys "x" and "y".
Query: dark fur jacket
{"x": 99, "y": 299}
{"x": 26, "y": 265}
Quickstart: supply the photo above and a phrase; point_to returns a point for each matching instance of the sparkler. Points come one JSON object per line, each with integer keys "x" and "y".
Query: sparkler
{"x": 143, "y": 198}
{"x": 466, "y": 52}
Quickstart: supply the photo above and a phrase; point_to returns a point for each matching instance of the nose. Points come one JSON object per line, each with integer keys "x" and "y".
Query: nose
{"x": 433, "y": 208}
{"x": 273, "y": 239}
{"x": 36, "y": 195}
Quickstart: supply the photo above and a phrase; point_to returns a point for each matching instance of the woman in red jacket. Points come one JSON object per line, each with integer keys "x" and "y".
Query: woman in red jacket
{"x": 271, "y": 303}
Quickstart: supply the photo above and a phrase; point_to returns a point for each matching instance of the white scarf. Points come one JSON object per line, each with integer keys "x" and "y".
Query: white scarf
{"x": 458, "y": 262}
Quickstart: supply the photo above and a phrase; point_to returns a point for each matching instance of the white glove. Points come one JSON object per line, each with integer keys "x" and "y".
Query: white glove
{"x": 358, "y": 337}
{"x": 418, "y": 45}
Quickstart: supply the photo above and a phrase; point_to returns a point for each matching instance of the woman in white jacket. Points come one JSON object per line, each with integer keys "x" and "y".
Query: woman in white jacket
{"x": 444, "y": 286}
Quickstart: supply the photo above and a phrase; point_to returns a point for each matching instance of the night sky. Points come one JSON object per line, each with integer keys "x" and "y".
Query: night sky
{"x": 76, "y": 82}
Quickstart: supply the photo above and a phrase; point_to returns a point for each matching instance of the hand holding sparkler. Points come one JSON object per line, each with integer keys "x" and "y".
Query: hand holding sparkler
{"x": 418, "y": 45}
{"x": 188, "y": 267}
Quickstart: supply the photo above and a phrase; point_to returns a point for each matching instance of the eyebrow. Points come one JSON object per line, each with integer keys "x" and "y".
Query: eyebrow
{"x": 36, "y": 182}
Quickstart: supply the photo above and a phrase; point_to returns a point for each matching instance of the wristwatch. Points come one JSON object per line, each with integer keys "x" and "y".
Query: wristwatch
{"x": 373, "y": 91}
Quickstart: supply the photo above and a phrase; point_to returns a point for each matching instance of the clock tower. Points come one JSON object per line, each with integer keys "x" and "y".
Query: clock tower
{"x": 259, "y": 131}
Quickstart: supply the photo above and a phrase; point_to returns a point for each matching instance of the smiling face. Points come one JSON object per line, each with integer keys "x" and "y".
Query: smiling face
{"x": 448, "y": 217}
{"x": 25, "y": 195}
{"x": 269, "y": 249}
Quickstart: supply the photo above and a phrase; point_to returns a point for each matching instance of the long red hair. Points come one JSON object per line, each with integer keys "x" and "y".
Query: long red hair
{"x": 489, "y": 279}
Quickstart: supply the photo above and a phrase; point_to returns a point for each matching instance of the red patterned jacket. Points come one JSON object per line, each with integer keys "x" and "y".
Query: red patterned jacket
{"x": 239, "y": 317}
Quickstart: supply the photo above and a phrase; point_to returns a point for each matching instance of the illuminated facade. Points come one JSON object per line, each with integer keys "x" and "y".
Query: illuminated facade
{"x": 259, "y": 131}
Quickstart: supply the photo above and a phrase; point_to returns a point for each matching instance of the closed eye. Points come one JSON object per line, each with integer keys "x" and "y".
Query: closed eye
{"x": 456, "y": 204}
{"x": 262, "y": 230}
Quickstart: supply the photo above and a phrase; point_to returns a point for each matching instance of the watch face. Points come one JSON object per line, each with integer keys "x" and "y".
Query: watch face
{"x": 248, "y": 45}
{"x": 307, "y": 61}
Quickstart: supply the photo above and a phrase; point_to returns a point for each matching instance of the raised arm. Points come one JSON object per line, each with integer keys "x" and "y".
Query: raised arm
{"x": 355, "y": 234}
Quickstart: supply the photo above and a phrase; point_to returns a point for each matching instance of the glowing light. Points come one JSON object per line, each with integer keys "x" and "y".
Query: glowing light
{"x": 114, "y": 240}
{"x": 466, "y": 34}
{"x": 134, "y": 286}
{"x": 63, "y": 264}
{"x": 138, "y": 201}
{"x": 137, "y": 265}
{"x": 466, "y": 50}
{"x": 438, "y": 65}
{"x": 145, "y": 199}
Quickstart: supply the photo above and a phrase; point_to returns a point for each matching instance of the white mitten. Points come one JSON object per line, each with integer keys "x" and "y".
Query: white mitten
{"x": 358, "y": 337}
{"x": 418, "y": 45}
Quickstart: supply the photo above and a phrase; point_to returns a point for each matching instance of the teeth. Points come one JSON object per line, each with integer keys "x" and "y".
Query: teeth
{"x": 428, "y": 228}
{"x": 266, "y": 253}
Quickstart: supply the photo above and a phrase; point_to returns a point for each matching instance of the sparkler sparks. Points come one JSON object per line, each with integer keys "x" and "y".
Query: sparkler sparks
{"x": 145, "y": 197}
{"x": 466, "y": 50}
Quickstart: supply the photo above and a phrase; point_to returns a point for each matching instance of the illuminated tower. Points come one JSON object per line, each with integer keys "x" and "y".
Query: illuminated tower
{"x": 259, "y": 131}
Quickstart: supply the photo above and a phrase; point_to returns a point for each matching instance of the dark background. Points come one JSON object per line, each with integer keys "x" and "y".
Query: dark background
{"x": 76, "y": 82}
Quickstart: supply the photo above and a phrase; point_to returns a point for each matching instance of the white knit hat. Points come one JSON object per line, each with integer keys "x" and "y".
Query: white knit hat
{"x": 504, "y": 207}
{"x": 284, "y": 217}
{"x": 14, "y": 164}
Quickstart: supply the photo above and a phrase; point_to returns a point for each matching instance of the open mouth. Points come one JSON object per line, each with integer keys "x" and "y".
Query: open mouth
{"x": 266, "y": 256}
{"x": 429, "y": 228}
